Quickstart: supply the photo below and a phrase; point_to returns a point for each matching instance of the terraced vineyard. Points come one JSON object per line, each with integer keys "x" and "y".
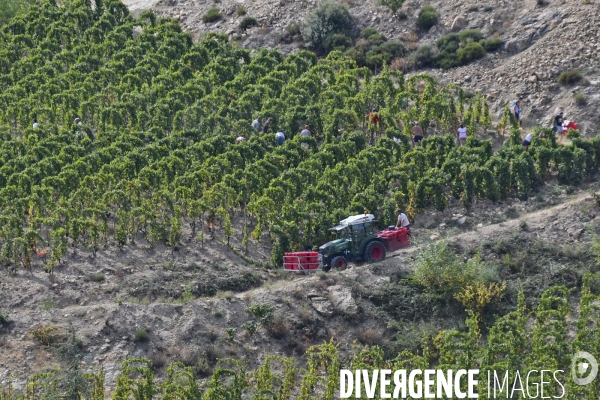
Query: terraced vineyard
{"x": 156, "y": 158}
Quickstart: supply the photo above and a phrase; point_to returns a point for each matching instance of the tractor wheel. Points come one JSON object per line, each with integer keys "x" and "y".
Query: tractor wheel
{"x": 375, "y": 252}
{"x": 339, "y": 262}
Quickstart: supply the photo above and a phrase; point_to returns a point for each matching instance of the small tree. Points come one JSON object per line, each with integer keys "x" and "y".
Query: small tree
{"x": 326, "y": 20}
{"x": 393, "y": 5}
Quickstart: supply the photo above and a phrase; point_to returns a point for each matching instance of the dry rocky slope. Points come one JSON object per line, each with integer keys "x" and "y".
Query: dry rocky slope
{"x": 106, "y": 299}
{"x": 540, "y": 42}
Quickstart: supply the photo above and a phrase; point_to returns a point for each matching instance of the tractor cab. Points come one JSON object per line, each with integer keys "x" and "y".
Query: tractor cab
{"x": 354, "y": 234}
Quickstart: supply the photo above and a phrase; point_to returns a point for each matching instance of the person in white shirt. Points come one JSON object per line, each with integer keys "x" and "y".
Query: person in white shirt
{"x": 305, "y": 133}
{"x": 462, "y": 135}
{"x": 78, "y": 121}
{"x": 402, "y": 220}
{"x": 35, "y": 124}
{"x": 256, "y": 123}
{"x": 527, "y": 141}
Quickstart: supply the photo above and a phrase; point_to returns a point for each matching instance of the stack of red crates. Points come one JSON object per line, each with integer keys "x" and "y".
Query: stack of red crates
{"x": 301, "y": 260}
{"x": 394, "y": 239}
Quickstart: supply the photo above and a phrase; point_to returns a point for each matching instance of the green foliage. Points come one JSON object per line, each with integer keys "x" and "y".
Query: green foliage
{"x": 569, "y": 77}
{"x": 212, "y": 15}
{"x": 248, "y": 22}
{"x": 440, "y": 273}
{"x": 10, "y": 8}
{"x": 425, "y": 56}
{"x": 427, "y": 18}
{"x": 384, "y": 53}
{"x": 393, "y": 5}
{"x": 240, "y": 10}
{"x": 141, "y": 335}
{"x": 472, "y": 51}
{"x": 492, "y": 43}
{"x": 457, "y": 49}
{"x": 327, "y": 19}
{"x": 262, "y": 311}
{"x": 580, "y": 99}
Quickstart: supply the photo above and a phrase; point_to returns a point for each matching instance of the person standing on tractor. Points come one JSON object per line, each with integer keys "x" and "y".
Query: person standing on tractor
{"x": 517, "y": 110}
{"x": 403, "y": 221}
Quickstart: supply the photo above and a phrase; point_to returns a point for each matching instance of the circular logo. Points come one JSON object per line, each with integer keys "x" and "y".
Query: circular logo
{"x": 580, "y": 368}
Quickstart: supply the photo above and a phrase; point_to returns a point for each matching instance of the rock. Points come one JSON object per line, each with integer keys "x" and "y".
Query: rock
{"x": 435, "y": 236}
{"x": 322, "y": 306}
{"x": 575, "y": 232}
{"x": 458, "y": 24}
{"x": 480, "y": 225}
{"x": 461, "y": 221}
{"x": 533, "y": 79}
{"x": 523, "y": 40}
{"x": 342, "y": 300}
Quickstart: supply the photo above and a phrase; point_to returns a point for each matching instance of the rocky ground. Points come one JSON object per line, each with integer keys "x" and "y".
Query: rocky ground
{"x": 192, "y": 303}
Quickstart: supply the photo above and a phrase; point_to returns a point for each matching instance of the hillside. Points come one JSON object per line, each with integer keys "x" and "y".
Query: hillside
{"x": 541, "y": 40}
{"x": 137, "y": 231}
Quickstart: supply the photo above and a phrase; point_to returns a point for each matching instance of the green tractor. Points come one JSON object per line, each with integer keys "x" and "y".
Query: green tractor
{"x": 358, "y": 240}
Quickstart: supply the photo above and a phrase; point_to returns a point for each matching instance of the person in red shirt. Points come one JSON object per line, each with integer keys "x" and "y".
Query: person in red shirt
{"x": 373, "y": 118}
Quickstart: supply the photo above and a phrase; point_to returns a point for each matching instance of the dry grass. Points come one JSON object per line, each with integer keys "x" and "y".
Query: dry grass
{"x": 278, "y": 327}
{"x": 412, "y": 46}
{"x": 306, "y": 314}
{"x": 369, "y": 336}
{"x": 410, "y": 37}
{"x": 401, "y": 64}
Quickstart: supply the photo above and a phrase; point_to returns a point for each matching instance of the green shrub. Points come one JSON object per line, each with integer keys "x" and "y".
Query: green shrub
{"x": 262, "y": 311}
{"x": 240, "y": 10}
{"x": 470, "y": 52}
{"x": 385, "y": 53}
{"x": 141, "y": 335}
{"x": 580, "y": 99}
{"x": 394, "y": 6}
{"x": 425, "y": 56}
{"x": 293, "y": 29}
{"x": 3, "y": 319}
{"x": 327, "y": 19}
{"x": 365, "y": 33}
{"x": 337, "y": 41}
{"x": 569, "y": 77}
{"x": 248, "y": 22}
{"x": 427, "y": 18}
{"x": 357, "y": 55}
{"x": 470, "y": 35}
{"x": 492, "y": 44}
{"x": 448, "y": 43}
{"x": 442, "y": 274}
{"x": 377, "y": 39}
{"x": 212, "y": 15}
{"x": 98, "y": 277}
